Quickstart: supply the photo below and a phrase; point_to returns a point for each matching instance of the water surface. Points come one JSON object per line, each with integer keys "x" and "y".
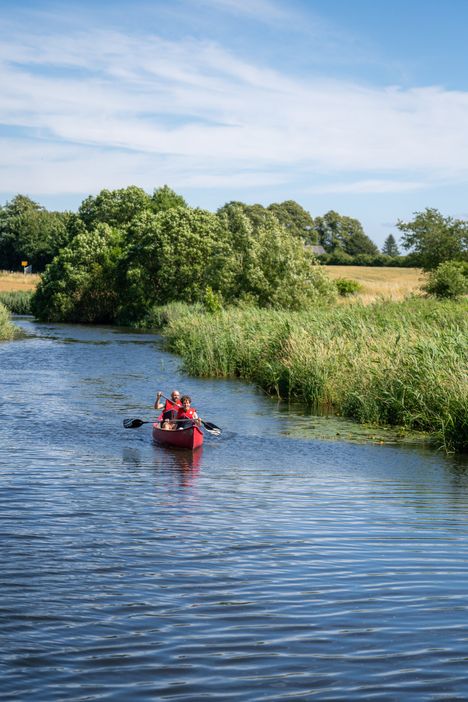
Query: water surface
{"x": 267, "y": 566}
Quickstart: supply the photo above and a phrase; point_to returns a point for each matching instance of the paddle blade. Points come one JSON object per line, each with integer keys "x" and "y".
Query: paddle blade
{"x": 212, "y": 428}
{"x": 132, "y": 423}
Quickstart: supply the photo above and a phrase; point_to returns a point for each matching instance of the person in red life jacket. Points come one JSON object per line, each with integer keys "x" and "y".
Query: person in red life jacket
{"x": 187, "y": 415}
{"x": 170, "y": 407}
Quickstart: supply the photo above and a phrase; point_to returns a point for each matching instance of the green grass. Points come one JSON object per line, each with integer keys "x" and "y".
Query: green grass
{"x": 17, "y": 301}
{"x": 390, "y": 363}
{"x": 7, "y": 330}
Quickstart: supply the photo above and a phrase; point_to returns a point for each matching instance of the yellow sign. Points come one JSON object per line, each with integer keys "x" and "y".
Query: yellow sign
{"x": 24, "y": 263}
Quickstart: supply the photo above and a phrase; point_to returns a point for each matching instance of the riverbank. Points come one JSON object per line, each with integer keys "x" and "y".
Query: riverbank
{"x": 389, "y": 363}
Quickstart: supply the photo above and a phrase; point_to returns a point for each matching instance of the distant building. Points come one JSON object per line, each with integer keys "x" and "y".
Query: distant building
{"x": 317, "y": 249}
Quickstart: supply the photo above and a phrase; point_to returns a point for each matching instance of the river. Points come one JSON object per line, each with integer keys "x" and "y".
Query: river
{"x": 267, "y": 566}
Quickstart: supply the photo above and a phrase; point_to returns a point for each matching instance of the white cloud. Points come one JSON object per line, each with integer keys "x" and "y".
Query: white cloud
{"x": 104, "y": 105}
{"x": 370, "y": 186}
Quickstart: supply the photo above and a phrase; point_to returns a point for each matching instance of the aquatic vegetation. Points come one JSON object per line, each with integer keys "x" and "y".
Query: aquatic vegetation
{"x": 7, "y": 329}
{"x": 390, "y": 363}
{"x": 17, "y": 301}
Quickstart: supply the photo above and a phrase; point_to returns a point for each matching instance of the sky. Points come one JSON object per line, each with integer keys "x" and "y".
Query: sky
{"x": 360, "y": 106}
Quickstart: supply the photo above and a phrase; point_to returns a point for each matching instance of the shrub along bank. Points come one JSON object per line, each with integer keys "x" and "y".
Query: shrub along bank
{"x": 391, "y": 363}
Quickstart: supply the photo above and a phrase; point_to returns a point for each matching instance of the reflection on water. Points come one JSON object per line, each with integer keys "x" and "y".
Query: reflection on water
{"x": 186, "y": 464}
{"x": 267, "y": 565}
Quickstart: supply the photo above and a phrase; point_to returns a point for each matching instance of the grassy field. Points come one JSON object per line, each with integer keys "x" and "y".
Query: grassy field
{"x": 17, "y": 282}
{"x": 377, "y": 282}
{"x": 380, "y": 282}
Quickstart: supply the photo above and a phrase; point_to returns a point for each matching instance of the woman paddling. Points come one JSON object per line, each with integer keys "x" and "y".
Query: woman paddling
{"x": 187, "y": 415}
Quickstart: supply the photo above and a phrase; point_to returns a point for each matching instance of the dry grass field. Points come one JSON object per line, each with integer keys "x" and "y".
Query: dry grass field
{"x": 380, "y": 282}
{"x": 12, "y": 282}
{"x": 377, "y": 282}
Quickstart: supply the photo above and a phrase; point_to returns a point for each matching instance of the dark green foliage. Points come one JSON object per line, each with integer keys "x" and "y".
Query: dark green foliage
{"x": 28, "y": 232}
{"x": 339, "y": 233}
{"x": 295, "y": 219}
{"x": 448, "y": 280}
{"x": 80, "y": 285}
{"x": 347, "y": 287}
{"x": 339, "y": 258}
{"x": 265, "y": 265}
{"x": 114, "y": 207}
{"x": 434, "y": 238}
{"x": 172, "y": 255}
{"x": 390, "y": 247}
{"x": 17, "y": 301}
{"x": 165, "y": 199}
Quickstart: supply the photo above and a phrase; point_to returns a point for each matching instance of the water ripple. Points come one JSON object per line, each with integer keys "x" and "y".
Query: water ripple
{"x": 265, "y": 567}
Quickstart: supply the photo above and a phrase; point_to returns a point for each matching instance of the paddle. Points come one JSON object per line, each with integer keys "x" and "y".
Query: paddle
{"x": 135, "y": 423}
{"x": 209, "y": 426}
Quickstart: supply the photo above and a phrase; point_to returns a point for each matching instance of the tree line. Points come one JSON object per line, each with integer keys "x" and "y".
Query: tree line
{"x": 126, "y": 250}
{"x": 30, "y": 232}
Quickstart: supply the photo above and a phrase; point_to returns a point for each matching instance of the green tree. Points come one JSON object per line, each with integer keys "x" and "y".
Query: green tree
{"x": 390, "y": 247}
{"x": 29, "y": 232}
{"x": 173, "y": 255}
{"x": 165, "y": 199}
{"x": 433, "y": 238}
{"x": 114, "y": 207}
{"x": 448, "y": 280}
{"x": 80, "y": 285}
{"x": 296, "y": 219}
{"x": 345, "y": 233}
{"x": 266, "y": 264}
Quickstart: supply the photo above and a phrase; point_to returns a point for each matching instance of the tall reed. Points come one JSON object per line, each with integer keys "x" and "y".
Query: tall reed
{"x": 393, "y": 363}
{"x": 17, "y": 301}
{"x": 7, "y": 330}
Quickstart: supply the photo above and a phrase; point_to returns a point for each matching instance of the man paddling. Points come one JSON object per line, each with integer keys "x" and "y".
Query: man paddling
{"x": 171, "y": 407}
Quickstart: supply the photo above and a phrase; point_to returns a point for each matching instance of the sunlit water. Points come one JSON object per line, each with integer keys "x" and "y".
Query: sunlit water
{"x": 267, "y": 566}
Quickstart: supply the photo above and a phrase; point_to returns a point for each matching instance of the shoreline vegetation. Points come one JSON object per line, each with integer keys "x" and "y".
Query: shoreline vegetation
{"x": 8, "y": 331}
{"x": 401, "y": 364}
{"x": 388, "y": 360}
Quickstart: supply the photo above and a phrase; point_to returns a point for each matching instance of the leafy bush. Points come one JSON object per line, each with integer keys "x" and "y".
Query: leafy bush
{"x": 347, "y": 287}
{"x": 80, "y": 283}
{"x": 212, "y": 301}
{"x": 448, "y": 280}
{"x": 17, "y": 301}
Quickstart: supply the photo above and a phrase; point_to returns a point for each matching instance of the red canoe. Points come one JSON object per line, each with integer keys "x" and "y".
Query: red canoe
{"x": 188, "y": 438}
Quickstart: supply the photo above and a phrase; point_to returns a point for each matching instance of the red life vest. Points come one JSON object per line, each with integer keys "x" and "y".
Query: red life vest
{"x": 170, "y": 405}
{"x": 186, "y": 414}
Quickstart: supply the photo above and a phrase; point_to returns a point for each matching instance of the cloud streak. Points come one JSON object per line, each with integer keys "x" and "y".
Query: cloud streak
{"x": 103, "y": 107}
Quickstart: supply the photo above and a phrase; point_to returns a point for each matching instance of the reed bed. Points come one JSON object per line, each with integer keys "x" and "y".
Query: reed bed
{"x": 7, "y": 330}
{"x": 389, "y": 363}
{"x": 17, "y": 301}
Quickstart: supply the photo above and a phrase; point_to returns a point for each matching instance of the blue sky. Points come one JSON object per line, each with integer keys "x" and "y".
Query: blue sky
{"x": 354, "y": 105}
